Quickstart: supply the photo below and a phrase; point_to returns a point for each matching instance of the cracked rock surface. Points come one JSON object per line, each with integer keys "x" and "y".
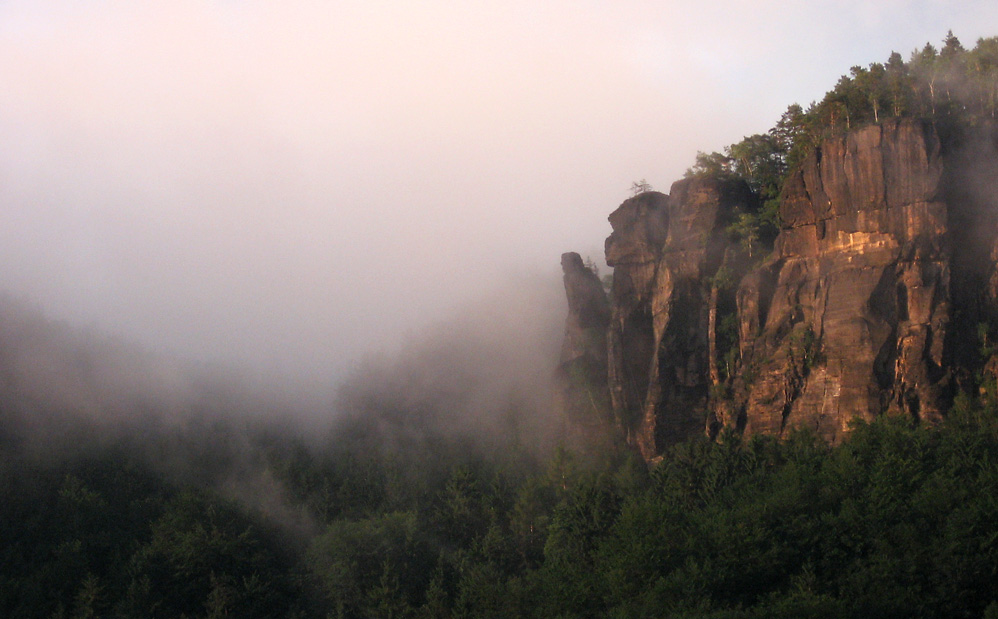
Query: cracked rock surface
{"x": 872, "y": 301}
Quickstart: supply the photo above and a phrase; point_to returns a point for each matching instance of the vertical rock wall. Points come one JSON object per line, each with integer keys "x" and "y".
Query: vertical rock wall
{"x": 857, "y": 319}
{"x": 582, "y": 369}
{"x": 880, "y": 295}
{"x": 666, "y": 251}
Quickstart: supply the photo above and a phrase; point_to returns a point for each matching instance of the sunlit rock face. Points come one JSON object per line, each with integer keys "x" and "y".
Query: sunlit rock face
{"x": 857, "y": 318}
{"x": 879, "y": 297}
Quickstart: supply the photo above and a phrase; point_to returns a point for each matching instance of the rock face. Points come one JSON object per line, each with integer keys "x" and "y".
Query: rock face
{"x": 582, "y": 369}
{"x": 880, "y": 290}
{"x": 666, "y": 252}
{"x": 860, "y": 278}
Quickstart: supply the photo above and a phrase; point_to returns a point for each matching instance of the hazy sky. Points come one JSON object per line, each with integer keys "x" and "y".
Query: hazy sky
{"x": 289, "y": 184}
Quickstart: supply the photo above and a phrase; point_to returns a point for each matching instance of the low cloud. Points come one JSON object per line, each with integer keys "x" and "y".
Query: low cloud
{"x": 287, "y": 186}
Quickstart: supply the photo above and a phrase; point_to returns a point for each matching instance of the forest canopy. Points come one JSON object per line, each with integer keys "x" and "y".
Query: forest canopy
{"x": 954, "y": 88}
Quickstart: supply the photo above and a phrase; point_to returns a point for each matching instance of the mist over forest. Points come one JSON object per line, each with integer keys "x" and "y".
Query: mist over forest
{"x": 225, "y": 393}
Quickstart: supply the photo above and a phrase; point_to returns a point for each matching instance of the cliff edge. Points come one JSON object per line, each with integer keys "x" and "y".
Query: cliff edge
{"x": 876, "y": 296}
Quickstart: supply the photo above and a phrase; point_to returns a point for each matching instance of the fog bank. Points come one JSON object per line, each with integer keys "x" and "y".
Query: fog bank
{"x": 288, "y": 186}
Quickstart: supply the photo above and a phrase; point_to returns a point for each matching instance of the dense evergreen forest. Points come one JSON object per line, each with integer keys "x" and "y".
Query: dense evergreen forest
{"x": 396, "y": 513}
{"x": 898, "y": 522}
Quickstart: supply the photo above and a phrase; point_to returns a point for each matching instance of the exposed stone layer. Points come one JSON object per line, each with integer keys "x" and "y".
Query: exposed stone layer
{"x": 665, "y": 251}
{"x": 879, "y": 297}
{"x": 858, "y": 314}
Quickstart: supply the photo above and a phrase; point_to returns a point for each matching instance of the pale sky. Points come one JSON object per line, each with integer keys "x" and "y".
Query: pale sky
{"x": 292, "y": 184}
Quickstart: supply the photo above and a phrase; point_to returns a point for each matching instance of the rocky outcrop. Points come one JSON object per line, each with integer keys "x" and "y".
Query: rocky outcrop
{"x": 860, "y": 303}
{"x": 582, "y": 370}
{"x": 666, "y": 252}
{"x": 880, "y": 295}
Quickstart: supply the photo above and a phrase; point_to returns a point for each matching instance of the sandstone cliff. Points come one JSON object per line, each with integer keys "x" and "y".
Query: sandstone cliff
{"x": 666, "y": 252}
{"x": 582, "y": 368}
{"x": 876, "y": 298}
{"x": 860, "y": 302}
